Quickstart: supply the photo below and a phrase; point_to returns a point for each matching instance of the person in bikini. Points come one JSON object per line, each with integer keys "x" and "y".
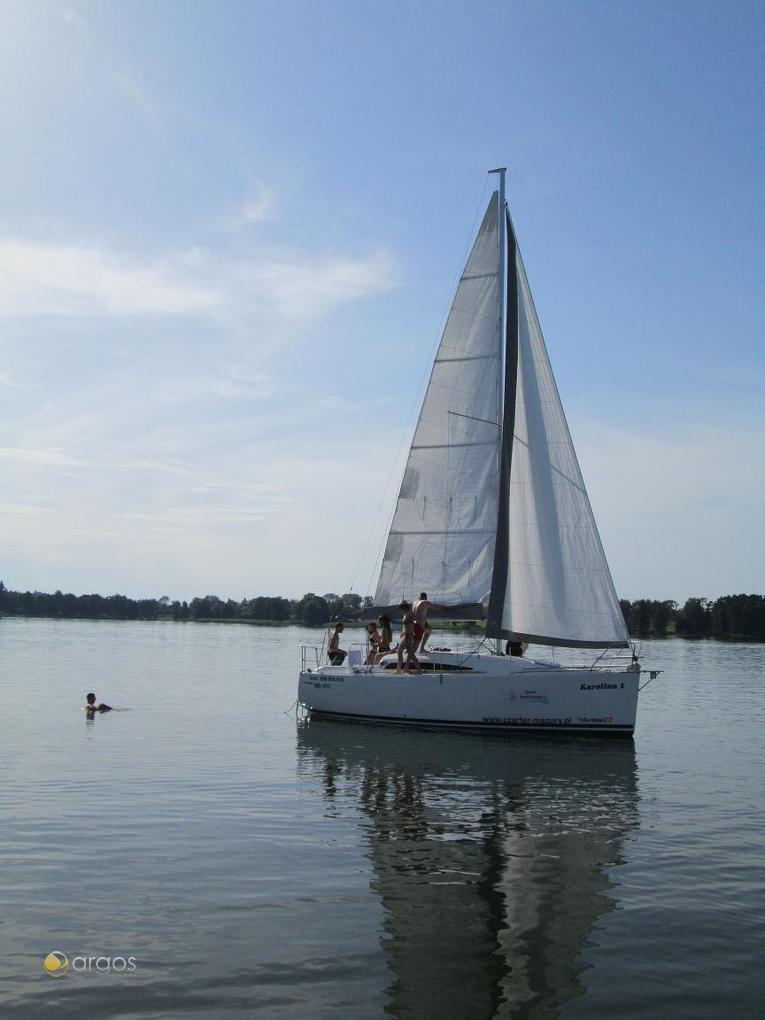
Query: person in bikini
{"x": 407, "y": 645}
{"x": 386, "y": 637}
{"x": 422, "y": 631}
{"x": 373, "y": 640}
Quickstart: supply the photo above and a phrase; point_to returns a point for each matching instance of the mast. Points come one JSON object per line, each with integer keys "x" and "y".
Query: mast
{"x": 502, "y": 245}
{"x": 501, "y": 272}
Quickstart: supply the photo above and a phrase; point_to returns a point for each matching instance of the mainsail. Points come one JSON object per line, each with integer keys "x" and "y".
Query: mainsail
{"x": 492, "y": 507}
{"x": 444, "y": 527}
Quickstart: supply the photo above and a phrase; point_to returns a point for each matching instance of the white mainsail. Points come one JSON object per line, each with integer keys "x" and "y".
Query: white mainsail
{"x": 492, "y": 507}
{"x": 444, "y": 527}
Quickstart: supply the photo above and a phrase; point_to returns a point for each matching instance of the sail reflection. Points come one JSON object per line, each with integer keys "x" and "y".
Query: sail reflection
{"x": 490, "y": 858}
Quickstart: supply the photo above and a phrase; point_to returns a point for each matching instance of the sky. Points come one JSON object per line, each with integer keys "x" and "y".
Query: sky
{"x": 229, "y": 237}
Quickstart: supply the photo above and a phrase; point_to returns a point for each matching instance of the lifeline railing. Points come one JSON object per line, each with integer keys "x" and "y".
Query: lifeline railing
{"x": 314, "y": 656}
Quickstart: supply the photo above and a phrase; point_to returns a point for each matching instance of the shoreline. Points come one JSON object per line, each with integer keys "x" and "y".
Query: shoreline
{"x": 435, "y": 625}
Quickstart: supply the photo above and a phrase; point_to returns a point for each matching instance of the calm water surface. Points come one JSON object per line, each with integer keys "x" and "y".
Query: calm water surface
{"x": 256, "y": 865}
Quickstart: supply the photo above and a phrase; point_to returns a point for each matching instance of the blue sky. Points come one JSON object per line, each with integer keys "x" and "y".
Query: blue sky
{"x": 228, "y": 239}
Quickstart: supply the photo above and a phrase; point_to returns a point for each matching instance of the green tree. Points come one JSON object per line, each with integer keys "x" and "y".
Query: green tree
{"x": 694, "y": 618}
{"x": 315, "y": 611}
{"x": 352, "y": 604}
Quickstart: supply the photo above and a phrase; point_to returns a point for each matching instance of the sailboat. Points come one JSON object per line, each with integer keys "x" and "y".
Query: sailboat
{"x": 494, "y": 522}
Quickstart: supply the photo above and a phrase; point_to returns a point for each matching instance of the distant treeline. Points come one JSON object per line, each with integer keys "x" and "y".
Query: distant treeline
{"x": 311, "y": 609}
{"x": 732, "y": 616}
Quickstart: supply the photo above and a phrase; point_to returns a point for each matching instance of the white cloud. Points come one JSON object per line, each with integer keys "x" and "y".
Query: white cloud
{"x": 304, "y": 288}
{"x": 71, "y": 280}
{"x": 334, "y": 403}
{"x": 49, "y": 458}
{"x": 245, "y": 386}
{"x": 243, "y": 526}
{"x": 680, "y": 512}
{"x": 206, "y": 517}
{"x": 71, "y": 17}
{"x": 24, "y": 510}
{"x": 135, "y": 93}
{"x": 257, "y": 208}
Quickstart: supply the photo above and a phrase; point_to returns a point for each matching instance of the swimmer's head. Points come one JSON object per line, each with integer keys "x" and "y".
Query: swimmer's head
{"x": 90, "y": 698}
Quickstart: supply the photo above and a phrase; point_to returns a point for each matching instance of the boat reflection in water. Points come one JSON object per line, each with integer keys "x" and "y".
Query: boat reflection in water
{"x": 491, "y": 858}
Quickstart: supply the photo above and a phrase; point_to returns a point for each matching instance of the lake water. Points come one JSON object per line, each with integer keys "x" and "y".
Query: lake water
{"x": 254, "y": 864}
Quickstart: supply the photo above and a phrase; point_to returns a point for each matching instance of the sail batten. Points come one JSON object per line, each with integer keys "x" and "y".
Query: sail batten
{"x": 451, "y": 446}
{"x": 447, "y": 531}
{"x": 469, "y": 357}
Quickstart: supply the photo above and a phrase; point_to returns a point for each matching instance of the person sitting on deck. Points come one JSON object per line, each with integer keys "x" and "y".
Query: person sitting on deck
{"x": 335, "y": 652}
{"x": 515, "y": 648}
{"x": 420, "y": 609}
{"x": 406, "y": 644}
{"x": 386, "y": 636}
{"x": 91, "y": 707}
{"x": 373, "y": 639}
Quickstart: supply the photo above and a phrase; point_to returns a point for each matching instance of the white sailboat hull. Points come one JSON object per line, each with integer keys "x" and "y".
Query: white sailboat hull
{"x": 478, "y": 692}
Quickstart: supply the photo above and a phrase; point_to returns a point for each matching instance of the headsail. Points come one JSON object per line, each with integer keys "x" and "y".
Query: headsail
{"x": 444, "y": 527}
{"x": 551, "y": 581}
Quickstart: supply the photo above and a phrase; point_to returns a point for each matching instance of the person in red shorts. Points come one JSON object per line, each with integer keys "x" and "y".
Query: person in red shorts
{"x": 420, "y": 609}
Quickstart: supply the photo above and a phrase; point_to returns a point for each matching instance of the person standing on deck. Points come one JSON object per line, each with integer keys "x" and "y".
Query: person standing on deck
{"x": 420, "y": 609}
{"x": 335, "y": 652}
{"x": 407, "y": 643}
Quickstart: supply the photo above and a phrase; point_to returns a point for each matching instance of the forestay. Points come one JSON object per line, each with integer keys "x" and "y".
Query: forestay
{"x": 444, "y": 527}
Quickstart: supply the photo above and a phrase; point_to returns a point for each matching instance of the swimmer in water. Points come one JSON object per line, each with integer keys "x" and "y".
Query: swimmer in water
{"x": 91, "y": 707}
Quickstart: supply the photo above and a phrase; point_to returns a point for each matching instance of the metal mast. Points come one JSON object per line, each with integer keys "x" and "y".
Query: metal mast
{"x": 502, "y": 241}
{"x": 501, "y": 289}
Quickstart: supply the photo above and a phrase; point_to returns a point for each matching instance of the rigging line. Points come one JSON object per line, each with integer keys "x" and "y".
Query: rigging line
{"x": 380, "y": 547}
{"x": 425, "y": 377}
{"x": 383, "y": 499}
{"x": 475, "y": 650}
